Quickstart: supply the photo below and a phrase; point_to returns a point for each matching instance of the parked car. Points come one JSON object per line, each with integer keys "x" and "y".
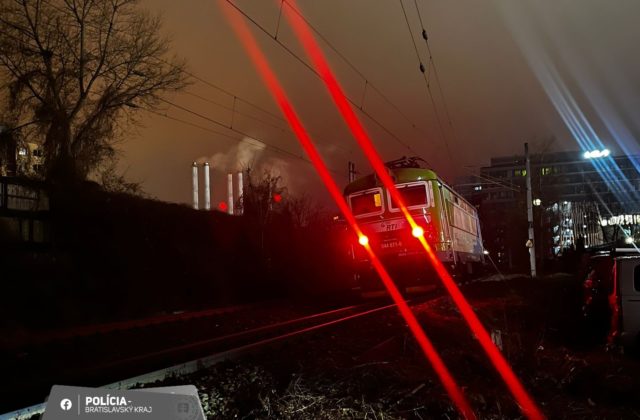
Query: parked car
{"x": 611, "y": 300}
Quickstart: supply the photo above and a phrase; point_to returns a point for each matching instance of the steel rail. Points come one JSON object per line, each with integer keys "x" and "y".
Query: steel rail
{"x": 210, "y": 360}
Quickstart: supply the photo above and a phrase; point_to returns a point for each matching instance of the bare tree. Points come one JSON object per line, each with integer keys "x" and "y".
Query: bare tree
{"x": 78, "y": 71}
{"x": 262, "y": 198}
{"x": 305, "y": 211}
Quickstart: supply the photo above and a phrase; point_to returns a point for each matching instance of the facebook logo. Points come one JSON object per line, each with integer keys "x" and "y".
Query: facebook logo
{"x": 66, "y": 404}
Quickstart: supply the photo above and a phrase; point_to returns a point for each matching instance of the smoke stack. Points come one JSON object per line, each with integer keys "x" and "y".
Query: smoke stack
{"x": 194, "y": 175}
{"x": 240, "y": 193}
{"x": 207, "y": 187}
{"x": 230, "y": 190}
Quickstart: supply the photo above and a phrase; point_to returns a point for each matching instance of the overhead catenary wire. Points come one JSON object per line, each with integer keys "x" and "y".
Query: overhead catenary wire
{"x": 436, "y": 75}
{"x": 252, "y": 104}
{"x": 423, "y": 70}
{"x": 502, "y": 184}
{"x": 367, "y": 83}
{"x": 207, "y": 129}
{"x": 236, "y": 98}
{"x": 314, "y": 71}
{"x": 231, "y": 109}
{"x": 235, "y": 110}
{"x": 230, "y": 128}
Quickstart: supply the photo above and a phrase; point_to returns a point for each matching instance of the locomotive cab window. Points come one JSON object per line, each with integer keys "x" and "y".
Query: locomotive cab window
{"x": 367, "y": 202}
{"x": 415, "y": 195}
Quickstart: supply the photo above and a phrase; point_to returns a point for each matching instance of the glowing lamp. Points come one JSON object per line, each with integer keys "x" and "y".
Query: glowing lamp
{"x": 628, "y": 240}
{"x": 417, "y": 232}
{"x": 363, "y": 240}
{"x": 594, "y": 154}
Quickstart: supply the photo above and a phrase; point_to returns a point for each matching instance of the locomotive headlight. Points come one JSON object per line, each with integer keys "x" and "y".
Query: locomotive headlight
{"x": 363, "y": 240}
{"x": 417, "y": 232}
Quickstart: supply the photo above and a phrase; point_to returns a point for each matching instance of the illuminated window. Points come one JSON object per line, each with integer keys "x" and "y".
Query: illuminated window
{"x": 545, "y": 171}
{"x": 520, "y": 172}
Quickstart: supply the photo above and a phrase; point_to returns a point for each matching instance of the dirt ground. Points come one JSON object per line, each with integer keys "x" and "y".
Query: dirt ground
{"x": 373, "y": 368}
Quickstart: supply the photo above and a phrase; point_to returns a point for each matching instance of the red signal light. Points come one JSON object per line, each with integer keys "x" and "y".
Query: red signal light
{"x": 222, "y": 206}
{"x": 277, "y": 198}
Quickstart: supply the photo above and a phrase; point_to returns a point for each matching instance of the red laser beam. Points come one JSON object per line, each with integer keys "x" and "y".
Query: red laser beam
{"x": 306, "y": 38}
{"x": 262, "y": 65}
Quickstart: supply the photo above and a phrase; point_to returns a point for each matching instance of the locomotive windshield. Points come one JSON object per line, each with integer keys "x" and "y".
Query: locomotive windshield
{"x": 366, "y": 202}
{"x": 413, "y": 195}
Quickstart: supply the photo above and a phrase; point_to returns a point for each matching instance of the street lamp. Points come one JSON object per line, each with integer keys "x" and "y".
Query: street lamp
{"x": 537, "y": 202}
{"x": 594, "y": 154}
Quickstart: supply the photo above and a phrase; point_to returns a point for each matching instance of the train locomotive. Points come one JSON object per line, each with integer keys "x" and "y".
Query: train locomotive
{"x": 449, "y": 222}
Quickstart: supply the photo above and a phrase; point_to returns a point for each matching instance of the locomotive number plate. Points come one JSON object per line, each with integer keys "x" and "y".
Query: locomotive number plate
{"x": 390, "y": 244}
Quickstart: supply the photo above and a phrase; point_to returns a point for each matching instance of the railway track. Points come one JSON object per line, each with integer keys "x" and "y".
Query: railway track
{"x": 202, "y": 354}
{"x": 44, "y": 337}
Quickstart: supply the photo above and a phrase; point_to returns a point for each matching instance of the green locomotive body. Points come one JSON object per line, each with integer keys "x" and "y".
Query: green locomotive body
{"x": 450, "y": 225}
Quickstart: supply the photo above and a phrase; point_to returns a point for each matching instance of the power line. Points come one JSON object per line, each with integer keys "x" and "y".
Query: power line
{"x": 368, "y": 82}
{"x": 313, "y": 70}
{"x": 230, "y": 128}
{"x": 435, "y": 72}
{"x": 492, "y": 181}
{"x": 185, "y": 122}
{"x": 235, "y": 110}
{"x": 427, "y": 84}
{"x": 245, "y": 101}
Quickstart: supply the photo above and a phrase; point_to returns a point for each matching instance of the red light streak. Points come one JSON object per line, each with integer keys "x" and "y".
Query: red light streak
{"x": 305, "y": 37}
{"x": 262, "y": 65}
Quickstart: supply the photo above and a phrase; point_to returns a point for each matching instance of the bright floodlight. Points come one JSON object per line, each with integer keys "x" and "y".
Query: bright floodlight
{"x": 537, "y": 202}
{"x": 417, "y": 232}
{"x": 628, "y": 240}
{"x": 363, "y": 240}
{"x": 594, "y": 154}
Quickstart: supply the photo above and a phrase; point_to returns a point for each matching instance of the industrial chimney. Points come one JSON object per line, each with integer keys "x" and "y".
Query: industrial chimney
{"x": 240, "y": 193}
{"x": 194, "y": 175}
{"x": 230, "y": 190}
{"x": 207, "y": 187}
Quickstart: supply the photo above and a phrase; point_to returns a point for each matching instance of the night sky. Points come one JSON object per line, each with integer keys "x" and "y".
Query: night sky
{"x": 494, "y": 60}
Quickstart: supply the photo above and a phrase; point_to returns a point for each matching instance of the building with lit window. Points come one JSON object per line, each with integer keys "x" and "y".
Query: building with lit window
{"x": 576, "y": 196}
{"x": 19, "y": 158}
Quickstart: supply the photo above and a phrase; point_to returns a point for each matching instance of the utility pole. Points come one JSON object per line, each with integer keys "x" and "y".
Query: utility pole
{"x": 352, "y": 171}
{"x": 530, "y": 241}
